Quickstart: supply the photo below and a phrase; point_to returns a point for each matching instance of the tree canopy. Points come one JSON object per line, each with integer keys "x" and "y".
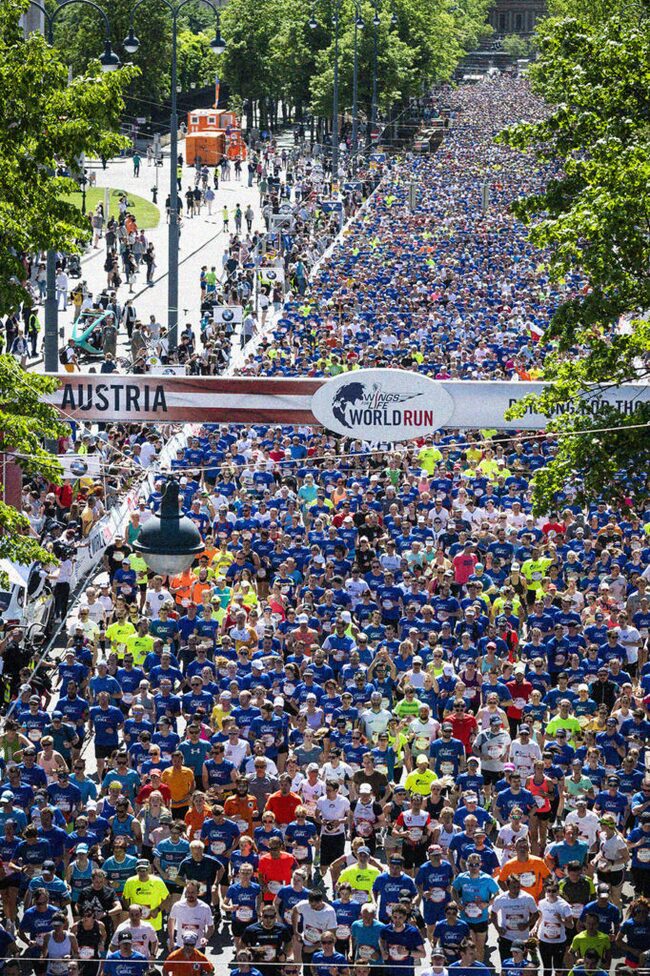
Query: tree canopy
{"x": 26, "y": 423}
{"x": 46, "y": 121}
{"x": 594, "y": 71}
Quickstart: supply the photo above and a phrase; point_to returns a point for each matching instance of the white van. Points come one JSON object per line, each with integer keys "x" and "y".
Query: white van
{"x": 28, "y": 600}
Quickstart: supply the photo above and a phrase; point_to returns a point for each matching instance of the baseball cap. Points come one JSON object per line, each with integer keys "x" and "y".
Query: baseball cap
{"x": 125, "y": 937}
{"x": 81, "y": 849}
{"x": 189, "y": 938}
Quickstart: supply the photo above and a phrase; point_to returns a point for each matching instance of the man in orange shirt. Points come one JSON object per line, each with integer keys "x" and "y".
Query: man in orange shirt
{"x": 283, "y": 803}
{"x": 242, "y": 807}
{"x": 531, "y": 870}
{"x": 187, "y": 959}
{"x": 275, "y": 869}
{"x": 180, "y": 780}
{"x": 180, "y": 586}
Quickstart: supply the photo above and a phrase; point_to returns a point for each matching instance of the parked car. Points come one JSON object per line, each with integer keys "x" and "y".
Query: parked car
{"x": 27, "y": 598}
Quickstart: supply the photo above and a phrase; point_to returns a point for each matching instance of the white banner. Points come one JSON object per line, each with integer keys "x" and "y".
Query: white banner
{"x": 80, "y": 465}
{"x": 227, "y": 313}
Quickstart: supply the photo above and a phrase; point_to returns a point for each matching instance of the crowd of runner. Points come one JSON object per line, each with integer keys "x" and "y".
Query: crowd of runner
{"x": 389, "y": 718}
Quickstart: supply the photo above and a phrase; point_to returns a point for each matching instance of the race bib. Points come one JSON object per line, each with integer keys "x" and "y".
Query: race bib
{"x": 242, "y": 824}
{"x": 146, "y": 911}
{"x": 494, "y": 751}
{"x": 268, "y": 739}
{"x": 274, "y": 886}
{"x": 244, "y": 913}
{"x": 300, "y": 853}
{"x": 415, "y": 834}
{"x": 438, "y": 894}
{"x": 311, "y": 934}
{"x": 366, "y": 952}
{"x": 343, "y": 931}
{"x": 34, "y": 734}
{"x": 473, "y": 911}
{"x": 86, "y": 952}
{"x": 421, "y": 743}
{"x": 519, "y": 703}
{"x": 447, "y": 768}
{"x": 552, "y": 931}
{"x": 527, "y": 879}
{"x": 269, "y": 953}
{"x": 364, "y": 827}
{"x": 398, "y": 952}
{"x": 217, "y": 847}
{"x": 127, "y": 697}
{"x": 540, "y": 801}
{"x": 360, "y": 897}
{"x": 643, "y": 854}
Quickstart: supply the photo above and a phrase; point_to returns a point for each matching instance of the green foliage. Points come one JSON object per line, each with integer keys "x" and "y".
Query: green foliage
{"x": 197, "y": 62}
{"x": 516, "y": 46}
{"x": 26, "y": 422}
{"x": 45, "y": 120}
{"x": 595, "y": 218}
{"x": 79, "y": 36}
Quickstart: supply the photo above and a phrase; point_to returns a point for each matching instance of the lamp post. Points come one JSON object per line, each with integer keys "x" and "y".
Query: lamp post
{"x": 131, "y": 45}
{"x": 109, "y": 62}
{"x": 169, "y": 543}
{"x": 376, "y": 22}
{"x": 358, "y": 25}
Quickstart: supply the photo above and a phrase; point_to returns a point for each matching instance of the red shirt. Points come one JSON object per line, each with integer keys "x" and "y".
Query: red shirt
{"x": 284, "y": 807}
{"x": 521, "y": 692}
{"x": 464, "y": 727}
{"x": 162, "y": 788}
{"x": 274, "y": 872}
{"x": 464, "y": 564}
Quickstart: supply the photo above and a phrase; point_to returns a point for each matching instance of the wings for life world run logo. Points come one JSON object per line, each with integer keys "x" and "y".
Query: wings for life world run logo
{"x": 382, "y": 405}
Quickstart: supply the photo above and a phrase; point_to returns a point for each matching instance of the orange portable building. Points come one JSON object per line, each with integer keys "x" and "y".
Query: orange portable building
{"x": 213, "y": 133}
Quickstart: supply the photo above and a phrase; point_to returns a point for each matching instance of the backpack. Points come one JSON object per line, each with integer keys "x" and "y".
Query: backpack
{"x": 63, "y": 355}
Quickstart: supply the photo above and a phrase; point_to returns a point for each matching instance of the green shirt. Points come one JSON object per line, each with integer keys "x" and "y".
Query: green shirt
{"x": 600, "y": 942}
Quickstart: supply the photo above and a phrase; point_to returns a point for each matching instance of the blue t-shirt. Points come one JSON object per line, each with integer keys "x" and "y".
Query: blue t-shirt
{"x": 115, "y": 964}
{"x": 386, "y": 890}
{"x": 472, "y": 890}
{"x": 450, "y": 938}
{"x": 107, "y": 723}
{"x": 400, "y": 945}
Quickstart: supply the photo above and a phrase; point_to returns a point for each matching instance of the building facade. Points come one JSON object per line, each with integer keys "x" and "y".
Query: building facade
{"x": 516, "y": 16}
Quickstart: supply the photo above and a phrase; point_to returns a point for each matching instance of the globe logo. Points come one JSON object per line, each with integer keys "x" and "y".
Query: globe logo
{"x": 347, "y": 396}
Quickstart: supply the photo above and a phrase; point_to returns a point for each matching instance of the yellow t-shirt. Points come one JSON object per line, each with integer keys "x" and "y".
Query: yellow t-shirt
{"x": 118, "y": 634}
{"x": 420, "y": 782}
{"x": 150, "y": 895}
{"x": 139, "y": 646}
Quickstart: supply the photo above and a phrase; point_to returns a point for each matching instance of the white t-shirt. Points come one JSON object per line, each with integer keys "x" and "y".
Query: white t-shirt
{"x": 333, "y": 811}
{"x": 197, "y": 918}
{"x": 314, "y": 922}
{"x": 588, "y": 826}
{"x": 629, "y": 638}
{"x": 514, "y": 912}
{"x": 523, "y": 756}
{"x": 509, "y": 838}
{"x": 424, "y": 733}
{"x": 553, "y": 918}
{"x": 340, "y": 773}
{"x": 144, "y": 937}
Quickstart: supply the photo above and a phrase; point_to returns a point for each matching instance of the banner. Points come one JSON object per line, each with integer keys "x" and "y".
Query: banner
{"x": 377, "y": 405}
{"x": 227, "y": 313}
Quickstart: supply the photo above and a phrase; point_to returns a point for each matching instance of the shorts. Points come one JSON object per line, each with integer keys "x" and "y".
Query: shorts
{"x": 414, "y": 855}
{"x": 332, "y": 846}
{"x": 224, "y": 879}
{"x": 238, "y": 928}
{"x": 546, "y": 815}
{"x": 613, "y": 878}
{"x": 491, "y": 776}
{"x": 477, "y": 926}
{"x": 104, "y": 752}
{"x": 10, "y": 881}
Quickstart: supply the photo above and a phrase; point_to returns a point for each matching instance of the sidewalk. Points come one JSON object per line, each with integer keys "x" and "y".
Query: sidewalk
{"x": 202, "y": 242}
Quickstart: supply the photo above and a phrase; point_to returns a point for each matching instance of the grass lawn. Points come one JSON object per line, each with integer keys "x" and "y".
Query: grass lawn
{"x": 147, "y": 214}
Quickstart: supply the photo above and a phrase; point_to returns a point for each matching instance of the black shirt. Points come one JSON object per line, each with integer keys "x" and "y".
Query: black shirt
{"x": 278, "y": 938}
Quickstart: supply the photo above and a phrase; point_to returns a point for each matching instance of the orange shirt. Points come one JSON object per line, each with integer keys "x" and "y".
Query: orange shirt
{"x": 284, "y": 807}
{"x": 241, "y": 809}
{"x": 198, "y": 589}
{"x": 177, "y": 963}
{"x": 194, "y": 821}
{"x": 531, "y": 874}
{"x": 180, "y": 782}
{"x": 183, "y": 583}
{"x": 274, "y": 872}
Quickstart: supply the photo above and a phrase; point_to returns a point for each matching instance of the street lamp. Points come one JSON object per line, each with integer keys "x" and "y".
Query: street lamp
{"x": 109, "y": 62}
{"x": 131, "y": 45}
{"x": 170, "y": 542}
{"x": 376, "y": 23}
{"x": 358, "y": 25}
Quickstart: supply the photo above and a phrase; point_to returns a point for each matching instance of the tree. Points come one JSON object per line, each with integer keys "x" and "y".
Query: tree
{"x": 46, "y": 121}
{"x": 26, "y": 421}
{"x": 594, "y": 217}
{"x": 79, "y": 37}
{"x": 516, "y": 46}
{"x": 197, "y": 62}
